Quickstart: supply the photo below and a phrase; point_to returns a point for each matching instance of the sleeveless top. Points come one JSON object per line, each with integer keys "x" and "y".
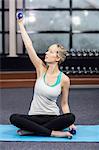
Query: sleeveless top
{"x": 45, "y": 97}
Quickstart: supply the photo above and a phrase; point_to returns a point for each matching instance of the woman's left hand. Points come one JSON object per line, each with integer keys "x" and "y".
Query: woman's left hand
{"x": 72, "y": 127}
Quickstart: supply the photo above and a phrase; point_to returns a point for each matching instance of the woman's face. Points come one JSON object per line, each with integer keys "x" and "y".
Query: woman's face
{"x": 51, "y": 56}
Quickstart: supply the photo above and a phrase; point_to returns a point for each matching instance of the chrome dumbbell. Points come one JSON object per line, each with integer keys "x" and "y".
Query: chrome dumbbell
{"x": 85, "y": 70}
{"x": 96, "y": 70}
{"x": 73, "y": 71}
{"x": 73, "y": 52}
{"x": 79, "y": 53}
{"x": 90, "y": 70}
{"x": 61, "y": 68}
{"x": 91, "y": 53}
{"x": 67, "y": 70}
{"x": 96, "y": 52}
{"x": 79, "y": 70}
{"x": 84, "y": 52}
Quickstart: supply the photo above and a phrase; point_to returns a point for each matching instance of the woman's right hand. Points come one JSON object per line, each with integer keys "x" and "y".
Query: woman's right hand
{"x": 19, "y": 17}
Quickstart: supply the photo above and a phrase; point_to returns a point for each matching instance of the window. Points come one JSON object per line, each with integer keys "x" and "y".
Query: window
{"x": 69, "y": 22}
{"x": 68, "y": 19}
{"x": 46, "y": 22}
{"x": 0, "y": 29}
{"x": 86, "y": 41}
{"x": 85, "y": 4}
{"x": 45, "y": 40}
{"x": 4, "y": 27}
{"x": 0, "y": 4}
{"x": 46, "y": 4}
{"x": 0, "y": 43}
{"x": 85, "y": 20}
{"x": 0, "y": 21}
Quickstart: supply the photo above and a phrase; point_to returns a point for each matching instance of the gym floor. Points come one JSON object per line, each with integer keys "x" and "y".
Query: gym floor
{"x": 84, "y": 103}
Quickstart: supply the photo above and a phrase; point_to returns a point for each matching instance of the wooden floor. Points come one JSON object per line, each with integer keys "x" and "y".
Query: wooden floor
{"x": 28, "y": 78}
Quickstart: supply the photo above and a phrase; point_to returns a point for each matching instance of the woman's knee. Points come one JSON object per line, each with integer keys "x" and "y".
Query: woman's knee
{"x": 70, "y": 116}
{"x": 13, "y": 118}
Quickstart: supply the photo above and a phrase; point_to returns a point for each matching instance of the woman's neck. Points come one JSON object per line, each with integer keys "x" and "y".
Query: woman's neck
{"x": 52, "y": 69}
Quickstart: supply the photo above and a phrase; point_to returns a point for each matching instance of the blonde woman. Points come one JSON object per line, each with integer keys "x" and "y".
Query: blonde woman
{"x": 44, "y": 116}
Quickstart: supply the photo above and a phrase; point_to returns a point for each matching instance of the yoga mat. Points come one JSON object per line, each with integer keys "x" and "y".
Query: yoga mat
{"x": 85, "y": 133}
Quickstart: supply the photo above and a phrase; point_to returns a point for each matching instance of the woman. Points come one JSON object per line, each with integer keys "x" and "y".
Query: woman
{"x": 44, "y": 115}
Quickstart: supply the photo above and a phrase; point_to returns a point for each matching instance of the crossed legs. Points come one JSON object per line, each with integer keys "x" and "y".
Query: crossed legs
{"x": 45, "y": 125}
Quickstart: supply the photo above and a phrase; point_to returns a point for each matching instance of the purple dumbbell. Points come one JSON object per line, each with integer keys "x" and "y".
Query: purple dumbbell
{"x": 72, "y": 131}
{"x": 20, "y": 15}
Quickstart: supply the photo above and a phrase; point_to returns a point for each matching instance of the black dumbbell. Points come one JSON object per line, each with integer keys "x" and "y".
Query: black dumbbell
{"x": 19, "y": 15}
{"x": 72, "y": 131}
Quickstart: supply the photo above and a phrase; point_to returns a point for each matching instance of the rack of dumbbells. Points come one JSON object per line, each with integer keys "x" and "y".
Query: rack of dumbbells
{"x": 81, "y": 62}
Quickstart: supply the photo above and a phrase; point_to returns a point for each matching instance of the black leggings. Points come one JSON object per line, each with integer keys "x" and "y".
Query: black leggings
{"x": 42, "y": 124}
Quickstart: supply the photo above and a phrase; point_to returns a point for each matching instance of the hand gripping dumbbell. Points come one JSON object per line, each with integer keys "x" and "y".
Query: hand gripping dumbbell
{"x": 73, "y": 131}
{"x": 19, "y": 15}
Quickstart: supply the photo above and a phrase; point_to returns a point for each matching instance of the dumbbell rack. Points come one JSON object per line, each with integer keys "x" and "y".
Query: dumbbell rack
{"x": 83, "y": 62}
{"x": 83, "y": 69}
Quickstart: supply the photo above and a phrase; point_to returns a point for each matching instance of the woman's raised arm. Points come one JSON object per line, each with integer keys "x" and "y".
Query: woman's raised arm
{"x": 37, "y": 62}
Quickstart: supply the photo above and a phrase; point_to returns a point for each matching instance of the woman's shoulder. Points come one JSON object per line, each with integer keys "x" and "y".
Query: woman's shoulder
{"x": 65, "y": 79}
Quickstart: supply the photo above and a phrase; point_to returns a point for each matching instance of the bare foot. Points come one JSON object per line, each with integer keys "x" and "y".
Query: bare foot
{"x": 24, "y": 132}
{"x": 61, "y": 134}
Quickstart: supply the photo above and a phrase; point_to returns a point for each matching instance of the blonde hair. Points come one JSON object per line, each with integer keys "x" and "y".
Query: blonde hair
{"x": 62, "y": 53}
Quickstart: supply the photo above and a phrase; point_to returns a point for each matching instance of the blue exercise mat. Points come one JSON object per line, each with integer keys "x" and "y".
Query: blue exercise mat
{"x": 85, "y": 133}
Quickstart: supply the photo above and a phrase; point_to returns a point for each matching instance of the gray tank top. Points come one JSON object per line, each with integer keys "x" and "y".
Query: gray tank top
{"x": 45, "y": 97}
